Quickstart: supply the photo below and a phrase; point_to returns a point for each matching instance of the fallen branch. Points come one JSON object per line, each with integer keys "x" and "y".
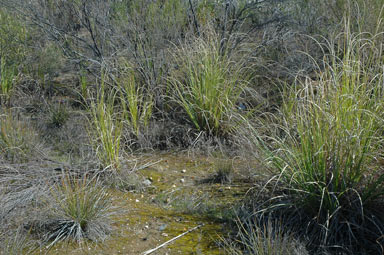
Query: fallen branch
{"x": 170, "y": 241}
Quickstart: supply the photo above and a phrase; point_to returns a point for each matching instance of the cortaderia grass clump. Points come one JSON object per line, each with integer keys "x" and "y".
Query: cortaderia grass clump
{"x": 207, "y": 84}
{"x": 328, "y": 148}
{"x": 107, "y": 126}
{"x": 137, "y": 104}
{"x": 81, "y": 210}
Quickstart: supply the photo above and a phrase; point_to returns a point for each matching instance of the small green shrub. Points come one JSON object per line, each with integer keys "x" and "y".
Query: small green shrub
{"x": 125, "y": 181}
{"x": 82, "y": 210}
{"x": 46, "y": 62}
{"x": 13, "y": 37}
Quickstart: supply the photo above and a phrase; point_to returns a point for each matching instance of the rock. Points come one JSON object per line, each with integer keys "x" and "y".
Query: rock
{"x": 182, "y": 180}
{"x": 147, "y": 182}
{"x": 162, "y": 227}
{"x": 184, "y": 171}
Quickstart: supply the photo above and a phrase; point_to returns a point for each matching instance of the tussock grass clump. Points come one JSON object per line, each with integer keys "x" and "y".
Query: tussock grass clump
{"x": 81, "y": 210}
{"x": 224, "y": 171}
{"x": 263, "y": 238}
{"x": 16, "y": 243}
{"x": 18, "y": 141}
{"x": 207, "y": 84}
{"x": 22, "y": 189}
{"x": 329, "y": 146}
{"x": 59, "y": 115}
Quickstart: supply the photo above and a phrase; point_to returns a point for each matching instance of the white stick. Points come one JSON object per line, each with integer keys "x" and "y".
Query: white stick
{"x": 169, "y": 241}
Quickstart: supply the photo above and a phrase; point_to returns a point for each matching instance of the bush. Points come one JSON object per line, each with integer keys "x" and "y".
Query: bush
{"x": 13, "y": 37}
{"x": 326, "y": 16}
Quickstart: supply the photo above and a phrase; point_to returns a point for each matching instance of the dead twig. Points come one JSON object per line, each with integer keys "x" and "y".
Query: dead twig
{"x": 170, "y": 241}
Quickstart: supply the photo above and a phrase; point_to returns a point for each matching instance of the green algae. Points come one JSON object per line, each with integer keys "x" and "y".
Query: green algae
{"x": 147, "y": 219}
{"x": 141, "y": 223}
